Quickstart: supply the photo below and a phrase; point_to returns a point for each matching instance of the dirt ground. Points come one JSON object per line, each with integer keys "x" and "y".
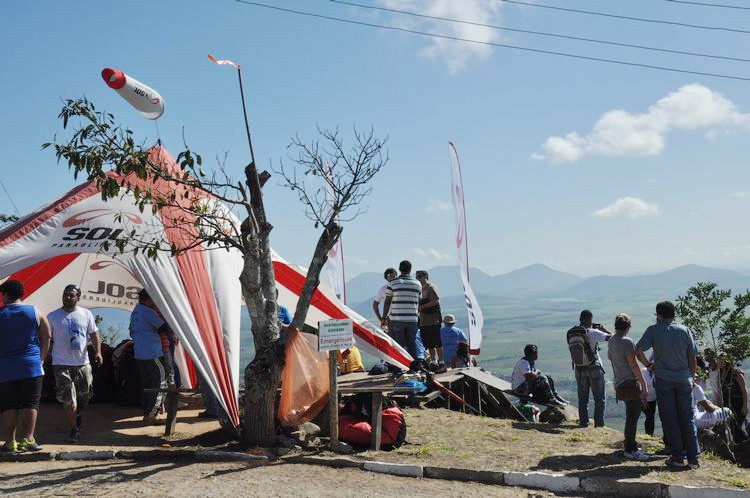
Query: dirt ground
{"x": 113, "y": 427}
{"x": 435, "y": 437}
{"x": 225, "y": 479}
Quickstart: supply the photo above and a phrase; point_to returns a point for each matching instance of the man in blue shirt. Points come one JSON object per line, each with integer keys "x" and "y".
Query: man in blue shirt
{"x": 145, "y": 326}
{"x": 450, "y": 337}
{"x": 674, "y": 373}
{"x": 24, "y": 342}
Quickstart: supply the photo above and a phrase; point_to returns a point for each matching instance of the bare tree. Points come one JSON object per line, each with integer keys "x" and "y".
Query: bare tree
{"x": 107, "y": 153}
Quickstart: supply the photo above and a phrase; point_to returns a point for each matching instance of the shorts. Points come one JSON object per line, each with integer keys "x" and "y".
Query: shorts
{"x": 21, "y": 394}
{"x": 73, "y": 385}
{"x": 430, "y": 336}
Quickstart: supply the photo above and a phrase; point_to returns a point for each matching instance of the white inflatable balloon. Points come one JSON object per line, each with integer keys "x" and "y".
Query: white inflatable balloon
{"x": 145, "y": 99}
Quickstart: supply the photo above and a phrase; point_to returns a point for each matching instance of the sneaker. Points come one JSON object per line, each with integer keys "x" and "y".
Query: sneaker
{"x": 29, "y": 445}
{"x": 75, "y": 435}
{"x": 10, "y": 446}
{"x": 694, "y": 465}
{"x": 675, "y": 464}
{"x": 637, "y": 455}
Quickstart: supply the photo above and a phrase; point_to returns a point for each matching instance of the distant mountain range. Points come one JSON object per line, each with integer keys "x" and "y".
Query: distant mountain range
{"x": 539, "y": 281}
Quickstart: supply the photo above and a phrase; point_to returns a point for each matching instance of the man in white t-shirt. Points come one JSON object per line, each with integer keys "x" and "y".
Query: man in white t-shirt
{"x": 591, "y": 378}
{"x": 71, "y": 327}
{"x": 388, "y": 275}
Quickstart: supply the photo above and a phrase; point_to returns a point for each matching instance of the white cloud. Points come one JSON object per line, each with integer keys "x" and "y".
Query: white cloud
{"x": 434, "y": 205}
{"x": 621, "y": 133}
{"x": 456, "y": 54}
{"x": 628, "y": 207}
{"x": 432, "y": 254}
{"x": 740, "y": 195}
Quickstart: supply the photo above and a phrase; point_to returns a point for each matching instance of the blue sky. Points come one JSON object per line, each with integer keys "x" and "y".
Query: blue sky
{"x": 585, "y": 166}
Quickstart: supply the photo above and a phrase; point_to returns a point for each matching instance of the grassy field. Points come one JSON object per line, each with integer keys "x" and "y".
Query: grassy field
{"x": 452, "y": 439}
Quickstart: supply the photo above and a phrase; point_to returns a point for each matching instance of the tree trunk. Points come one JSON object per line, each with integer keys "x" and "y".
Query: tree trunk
{"x": 327, "y": 240}
{"x": 262, "y": 378}
{"x": 263, "y": 374}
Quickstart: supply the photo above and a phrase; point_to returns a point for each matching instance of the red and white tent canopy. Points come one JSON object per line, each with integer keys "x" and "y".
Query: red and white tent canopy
{"x": 197, "y": 291}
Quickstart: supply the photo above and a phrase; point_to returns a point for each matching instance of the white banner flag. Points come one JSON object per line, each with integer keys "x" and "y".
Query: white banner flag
{"x": 334, "y": 267}
{"x": 476, "y": 320}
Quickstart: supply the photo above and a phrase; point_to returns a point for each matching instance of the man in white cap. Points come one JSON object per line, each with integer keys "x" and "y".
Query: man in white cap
{"x": 451, "y": 336}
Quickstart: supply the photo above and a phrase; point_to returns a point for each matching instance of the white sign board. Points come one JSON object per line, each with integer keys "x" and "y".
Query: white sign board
{"x": 335, "y": 334}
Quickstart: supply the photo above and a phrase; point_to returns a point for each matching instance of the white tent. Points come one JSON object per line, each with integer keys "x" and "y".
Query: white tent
{"x": 197, "y": 291}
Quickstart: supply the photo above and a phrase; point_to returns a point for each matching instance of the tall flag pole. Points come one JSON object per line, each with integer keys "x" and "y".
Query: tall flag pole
{"x": 242, "y": 97}
{"x": 476, "y": 320}
{"x": 334, "y": 267}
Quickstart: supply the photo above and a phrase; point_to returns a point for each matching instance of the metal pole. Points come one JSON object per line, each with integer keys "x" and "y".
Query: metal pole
{"x": 244, "y": 113}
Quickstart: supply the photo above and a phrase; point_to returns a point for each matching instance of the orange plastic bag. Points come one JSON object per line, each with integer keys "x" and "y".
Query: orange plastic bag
{"x": 304, "y": 384}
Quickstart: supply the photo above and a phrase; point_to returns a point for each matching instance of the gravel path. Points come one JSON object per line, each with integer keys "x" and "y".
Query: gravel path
{"x": 124, "y": 478}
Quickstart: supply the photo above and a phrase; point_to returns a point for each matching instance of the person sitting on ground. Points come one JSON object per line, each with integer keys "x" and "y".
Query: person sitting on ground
{"x": 630, "y": 386}
{"x": 707, "y": 415}
{"x": 71, "y": 327}
{"x": 24, "y": 342}
{"x": 527, "y": 381}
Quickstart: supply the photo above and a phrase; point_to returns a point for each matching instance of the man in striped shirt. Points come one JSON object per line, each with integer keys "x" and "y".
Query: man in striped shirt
{"x": 402, "y": 307}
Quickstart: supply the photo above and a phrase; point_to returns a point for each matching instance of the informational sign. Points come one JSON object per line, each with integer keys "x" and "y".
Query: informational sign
{"x": 335, "y": 334}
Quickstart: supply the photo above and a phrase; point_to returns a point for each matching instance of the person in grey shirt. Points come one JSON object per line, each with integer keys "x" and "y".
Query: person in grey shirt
{"x": 622, "y": 355}
{"x": 674, "y": 374}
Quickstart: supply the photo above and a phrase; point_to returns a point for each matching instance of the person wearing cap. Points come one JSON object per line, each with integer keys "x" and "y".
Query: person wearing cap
{"x": 72, "y": 326}
{"x": 24, "y": 342}
{"x": 627, "y": 374}
{"x": 451, "y": 336}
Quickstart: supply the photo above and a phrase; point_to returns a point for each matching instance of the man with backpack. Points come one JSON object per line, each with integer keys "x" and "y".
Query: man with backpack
{"x": 583, "y": 344}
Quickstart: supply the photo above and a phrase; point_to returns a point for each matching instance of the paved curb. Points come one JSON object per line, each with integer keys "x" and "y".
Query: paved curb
{"x": 155, "y": 454}
{"x": 85, "y": 455}
{"x": 396, "y": 469}
{"x": 609, "y": 486}
{"x": 227, "y": 456}
{"x": 338, "y": 463}
{"x": 560, "y": 483}
{"x": 27, "y": 457}
{"x": 540, "y": 480}
{"x": 674, "y": 491}
{"x": 454, "y": 474}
